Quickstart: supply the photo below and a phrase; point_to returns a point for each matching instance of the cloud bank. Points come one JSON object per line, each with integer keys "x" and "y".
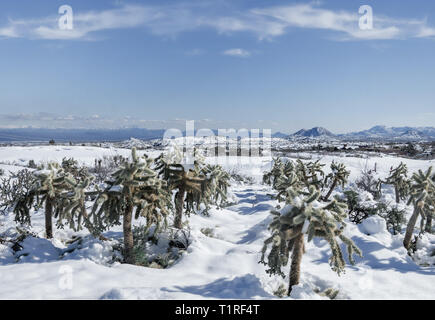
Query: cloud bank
{"x": 55, "y": 121}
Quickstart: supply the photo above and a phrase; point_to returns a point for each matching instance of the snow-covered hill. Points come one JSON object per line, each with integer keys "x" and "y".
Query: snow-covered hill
{"x": 317, "y": 132}
{"x": 393, "y": 133}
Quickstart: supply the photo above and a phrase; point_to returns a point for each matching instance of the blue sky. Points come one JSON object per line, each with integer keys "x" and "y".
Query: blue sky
{"x": 283, "y": 65}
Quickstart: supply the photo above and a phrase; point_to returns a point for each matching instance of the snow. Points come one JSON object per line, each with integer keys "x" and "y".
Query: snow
{"x": 222, "y": 265}
{"x": 374, "y": 225}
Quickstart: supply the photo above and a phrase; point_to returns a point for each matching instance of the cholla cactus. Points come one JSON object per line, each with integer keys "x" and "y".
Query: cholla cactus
{"x": 271, "y": 177}
{"x": 304, "y": 214}
{"x": 71, "y": 166}
{"x": 398, "y": 178}
{"x": 311, "y": 173}
{"x": 48, "y": 185}
{"x": 216, "y": 183}
{"x": 185, "y": 181}
{"x": 288, "y": 185}
{"x": 134, "y": 186}
{"x": 338, "y": 176}
{"x": 423, "y": 198}
{"x": 71, "y": 204}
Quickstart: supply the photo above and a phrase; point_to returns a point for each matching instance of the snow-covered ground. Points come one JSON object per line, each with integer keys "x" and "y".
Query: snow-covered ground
{"x": 220, "y": 265}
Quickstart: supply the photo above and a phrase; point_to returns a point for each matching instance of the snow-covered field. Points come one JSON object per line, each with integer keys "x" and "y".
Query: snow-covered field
{"x": 220, "y": 265}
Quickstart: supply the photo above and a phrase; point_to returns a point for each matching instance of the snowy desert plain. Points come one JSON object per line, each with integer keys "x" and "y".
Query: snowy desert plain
{"x": 222, "y": 258}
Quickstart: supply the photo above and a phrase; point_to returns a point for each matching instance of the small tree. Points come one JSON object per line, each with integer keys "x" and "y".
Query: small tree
{"x": 134, "y": 187}
{"x": 398, "y": 178}
{"x": 302, "y": 215}
{"x": 338, "y": 175}
{"x": 423, "y": 199}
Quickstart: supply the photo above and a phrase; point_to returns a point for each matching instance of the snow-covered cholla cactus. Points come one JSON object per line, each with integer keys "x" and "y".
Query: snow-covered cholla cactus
{"x": 271, "y": 177}
{"x": 338, "y": 176}
{"x": 311, "y": 173}
{"x": 216, "y": 183}
{"x": 185, "y": 181}
{"x": 48, "y": 186}
{"x": 398, "y": 178}
{"x": 304, "y": 215}
{"x": 423, "y": 198}
{"x": 71, "y": 205}
{"x": 134, "y": 188}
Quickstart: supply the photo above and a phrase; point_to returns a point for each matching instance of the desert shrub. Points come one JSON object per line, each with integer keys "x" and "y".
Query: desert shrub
{"x": 32, "y": 164}
{"x": 331, "y": 293}
{"x": 358, "y": 212}
{"x": 409, "y": 149}
{"x": 156, "y": 250}
{"x": 281, "y": 291}
{"x": 104, "y": 167}
{"x": 241, "y": 178}
{"x": 14, "y": 187}
{"x": 180, "y": 238}
{"x": 209, "y": 232}
{"x": 368, "y": 182}
{"x": 395, "y": 219}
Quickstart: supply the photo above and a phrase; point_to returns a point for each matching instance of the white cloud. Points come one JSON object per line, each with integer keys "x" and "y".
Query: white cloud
{"x": 237, "y": 52}
{"x": 426, "y": 32}
{"x": 265, "y": 23}
{"x": 195, "y": 52}
{"x": 56, "y": 121}
{"x": 8, "y": 32}
{"x": 344, "y": 23}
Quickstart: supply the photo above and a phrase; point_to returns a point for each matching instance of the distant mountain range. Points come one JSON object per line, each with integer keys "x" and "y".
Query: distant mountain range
{"x": 100, "y": 135}
{"x": 377, "y": 132}
{"x": 404, "y": 133}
